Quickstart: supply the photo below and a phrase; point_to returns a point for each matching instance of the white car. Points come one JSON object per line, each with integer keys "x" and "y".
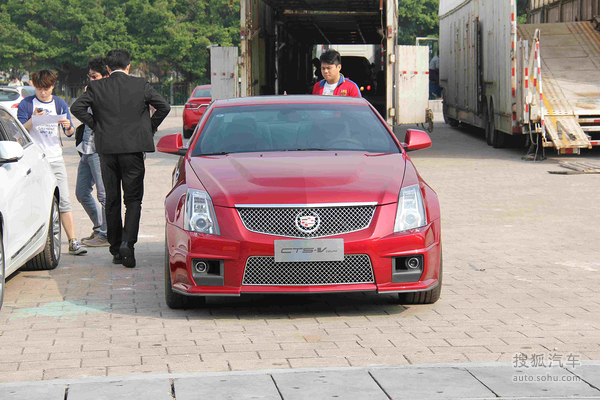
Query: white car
{"x": 10, "y": 97}
{"x": 30, "y": 235}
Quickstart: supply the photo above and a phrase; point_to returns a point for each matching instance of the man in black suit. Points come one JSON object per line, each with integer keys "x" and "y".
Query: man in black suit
{"x": 123, "y": 131}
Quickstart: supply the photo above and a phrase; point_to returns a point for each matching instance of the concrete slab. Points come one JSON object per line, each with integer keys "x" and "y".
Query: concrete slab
{"x": 38, "y": 392}
{"x": 430, "y": 383}
{"x": 589, "y": 373}
{"x": 159, "y": 389}
{"x": 234, "y": 387}
{"x": 348, "y": 385}
{"x": 533, "y": 382}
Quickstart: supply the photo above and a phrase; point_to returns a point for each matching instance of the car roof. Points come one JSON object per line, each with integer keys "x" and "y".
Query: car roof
{"x": 288, "y": 99}
{"x": 202, "y": 87}
{"x": 13, "y": 88}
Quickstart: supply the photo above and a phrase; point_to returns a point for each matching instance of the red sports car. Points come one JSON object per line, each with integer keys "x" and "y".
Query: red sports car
{"x": 194, "y": 108}
{"x": 299, "y": 194}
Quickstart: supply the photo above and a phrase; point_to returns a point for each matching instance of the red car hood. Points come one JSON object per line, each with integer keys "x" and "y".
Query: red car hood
{"x": 301, "y": 177}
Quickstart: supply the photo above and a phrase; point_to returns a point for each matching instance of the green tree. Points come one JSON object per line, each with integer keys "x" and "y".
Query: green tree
{"x": 165, "y": 37}
{"x": 417, "y": 18}
{"x": 522, "y": 10}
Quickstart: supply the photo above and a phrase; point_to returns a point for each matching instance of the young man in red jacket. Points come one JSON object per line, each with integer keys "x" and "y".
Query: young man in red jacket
{"x": 334, "y": 83}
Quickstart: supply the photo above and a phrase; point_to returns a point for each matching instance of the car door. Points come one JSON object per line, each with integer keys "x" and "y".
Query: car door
{"x": 17, "y": 191}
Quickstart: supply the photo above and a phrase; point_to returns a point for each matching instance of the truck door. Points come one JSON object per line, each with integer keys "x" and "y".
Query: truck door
{"x": 412, "y": 84}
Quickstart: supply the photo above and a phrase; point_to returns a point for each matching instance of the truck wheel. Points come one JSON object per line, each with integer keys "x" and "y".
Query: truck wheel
{"x": 50, "y": 256}
{"x": 428, "y": 297}
{"x": 449, "y": 120}
{"x": 175, "y": 300}
{"x": 498, "y": 139}
{"x": 489, "y": 126}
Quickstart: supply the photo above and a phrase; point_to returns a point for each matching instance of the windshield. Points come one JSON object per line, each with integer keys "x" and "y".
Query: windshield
{"x": 9, "y": 95}
{"x": 294, "y": 127}
{"x": 201, "y": 93}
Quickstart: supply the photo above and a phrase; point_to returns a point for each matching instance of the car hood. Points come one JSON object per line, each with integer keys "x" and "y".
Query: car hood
{"x": 301, "y": 177}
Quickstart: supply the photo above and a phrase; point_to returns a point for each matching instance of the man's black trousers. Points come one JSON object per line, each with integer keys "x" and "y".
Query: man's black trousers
{"x": 126, "y": 170}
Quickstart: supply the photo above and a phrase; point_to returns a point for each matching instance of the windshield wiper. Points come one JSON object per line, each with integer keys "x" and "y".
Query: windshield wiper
{"x": 307, "y": 149}
{"x": 222, "y": 153}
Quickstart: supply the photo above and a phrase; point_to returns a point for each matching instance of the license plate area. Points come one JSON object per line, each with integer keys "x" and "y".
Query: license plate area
{"x": 309, "y": 250}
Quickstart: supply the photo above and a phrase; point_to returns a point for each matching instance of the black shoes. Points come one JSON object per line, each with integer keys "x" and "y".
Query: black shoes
{"x": 126, "y": 255}
{"x": 117, "y": 259}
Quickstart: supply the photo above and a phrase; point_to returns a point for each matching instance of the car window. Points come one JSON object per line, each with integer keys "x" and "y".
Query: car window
{"x": 9, "y": 95}
{"x": 294, "y": 127}
{"x": 201, "y": 93}
{"x": 12, "y": 129}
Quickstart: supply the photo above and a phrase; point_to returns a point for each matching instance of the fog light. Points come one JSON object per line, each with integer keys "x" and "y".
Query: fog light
{"x": 201, "y": 267}
{"x": 413, "y": 263}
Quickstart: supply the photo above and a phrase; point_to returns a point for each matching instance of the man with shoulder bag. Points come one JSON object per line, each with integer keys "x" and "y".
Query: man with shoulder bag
{"x": 89, "y": 171}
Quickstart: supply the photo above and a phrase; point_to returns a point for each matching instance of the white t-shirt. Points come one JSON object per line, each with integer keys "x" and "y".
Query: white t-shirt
{"x": 434, "y": 63}
{"x": 46, "y": 136}
{"x": 328, "y": 89}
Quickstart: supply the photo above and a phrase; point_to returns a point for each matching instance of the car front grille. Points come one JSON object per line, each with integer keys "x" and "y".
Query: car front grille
{"x": 286, "y": 221}
{"x": 261, "y": 270}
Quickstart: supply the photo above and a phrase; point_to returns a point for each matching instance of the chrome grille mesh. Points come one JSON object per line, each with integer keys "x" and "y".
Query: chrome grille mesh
{"x": 282, "y": 221}
{"x": 356, "y": 268}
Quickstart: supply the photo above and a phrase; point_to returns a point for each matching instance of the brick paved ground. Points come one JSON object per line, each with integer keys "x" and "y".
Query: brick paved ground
{"x": 521, "y": 275}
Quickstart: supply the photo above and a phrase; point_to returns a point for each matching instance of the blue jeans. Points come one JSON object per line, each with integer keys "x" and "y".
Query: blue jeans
{"x": 89, "y": 174}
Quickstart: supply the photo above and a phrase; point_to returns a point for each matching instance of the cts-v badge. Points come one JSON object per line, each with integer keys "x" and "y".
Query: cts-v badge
{"x": 309, "y": 250}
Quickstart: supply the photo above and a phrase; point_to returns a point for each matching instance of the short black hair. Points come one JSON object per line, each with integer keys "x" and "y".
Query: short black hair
{"x": 118, "y": 59}
{"x": 331, "y": 57}
{"x": 98, "y": 65}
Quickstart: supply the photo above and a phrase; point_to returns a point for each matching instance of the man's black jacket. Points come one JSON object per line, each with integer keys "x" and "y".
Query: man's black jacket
{"x": 121, "y": 117}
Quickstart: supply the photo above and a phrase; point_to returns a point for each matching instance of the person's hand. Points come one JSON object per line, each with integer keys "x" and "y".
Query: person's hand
{"x": 65, "y": 123}
{"x": 41, "y": 112}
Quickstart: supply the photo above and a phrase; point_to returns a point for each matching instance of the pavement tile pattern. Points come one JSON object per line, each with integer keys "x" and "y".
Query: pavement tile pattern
{"x": 520, "y": 277}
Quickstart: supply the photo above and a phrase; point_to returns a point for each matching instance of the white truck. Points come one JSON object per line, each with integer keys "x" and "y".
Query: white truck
{"x": 538, "y": 80}
{"x": 279, "y": 39}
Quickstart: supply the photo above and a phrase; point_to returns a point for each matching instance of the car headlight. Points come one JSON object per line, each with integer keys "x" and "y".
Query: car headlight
{"x": 411, "y": 212}
{"x": 199, "y": 213}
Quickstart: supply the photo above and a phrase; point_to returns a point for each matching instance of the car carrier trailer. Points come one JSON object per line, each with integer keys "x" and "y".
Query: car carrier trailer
{"x": 278, "y": 38}
{"x": 540, "y": 80}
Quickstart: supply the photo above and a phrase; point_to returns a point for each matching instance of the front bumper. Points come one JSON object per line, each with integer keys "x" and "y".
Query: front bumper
{"x": 229, "y": 253}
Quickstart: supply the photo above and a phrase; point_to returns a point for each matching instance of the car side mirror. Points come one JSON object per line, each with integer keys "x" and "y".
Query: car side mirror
{"x": 172, "y": 144}
{"x": 416, "y": 139}
{"x": 10, "y": 152}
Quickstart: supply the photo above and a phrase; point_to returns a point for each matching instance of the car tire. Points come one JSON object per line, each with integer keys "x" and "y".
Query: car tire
{"x": 187, "y": 133}
{"x": 427, "y": 297}
{"x": 50, "y": 256}
{"x": 2, "y": 270}
{"x": 174, "y": 300}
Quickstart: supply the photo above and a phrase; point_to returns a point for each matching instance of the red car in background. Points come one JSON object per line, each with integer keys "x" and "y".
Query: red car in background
{"x": 299, "y": 194}
{"x": 194, "y": 109}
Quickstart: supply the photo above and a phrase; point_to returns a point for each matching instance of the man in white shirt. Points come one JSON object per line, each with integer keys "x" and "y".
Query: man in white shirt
{"x": 47, "y": 137}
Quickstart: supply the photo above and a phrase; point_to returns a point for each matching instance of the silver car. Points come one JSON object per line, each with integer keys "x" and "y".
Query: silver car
{"x": 30, "y": 235}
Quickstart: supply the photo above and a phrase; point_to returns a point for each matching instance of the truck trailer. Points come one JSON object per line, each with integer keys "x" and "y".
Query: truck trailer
{"x": 280, "y": 38}
{"x": 537, "y": 80}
